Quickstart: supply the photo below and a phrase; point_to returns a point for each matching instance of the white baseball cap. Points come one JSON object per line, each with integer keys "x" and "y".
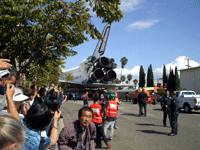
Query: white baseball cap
{"x": 19, "y": 96}
{"x": 3, "y": 73}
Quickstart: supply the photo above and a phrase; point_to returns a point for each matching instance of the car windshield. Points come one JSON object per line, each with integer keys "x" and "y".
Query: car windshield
{"x": 177, "y": 94}
{"x": 188, "y": 93}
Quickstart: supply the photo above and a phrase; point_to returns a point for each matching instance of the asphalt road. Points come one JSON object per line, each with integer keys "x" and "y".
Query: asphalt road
{"x": 138, "y": 133}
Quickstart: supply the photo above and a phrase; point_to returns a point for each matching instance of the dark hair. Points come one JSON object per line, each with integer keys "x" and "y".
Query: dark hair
{"x": 42, "y": 92}
{"x": 53, "y": 95}
{"x": 85, "y": 108}
{"x": 96, "y": 98}
{"x": 38, "y": 117}
{"x": 28, "y": 92}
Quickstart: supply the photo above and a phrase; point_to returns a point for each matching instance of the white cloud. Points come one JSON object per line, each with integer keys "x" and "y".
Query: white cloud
{"x": 180, "y": 62}
{"x": 142, "y": 24}
{"x": 130, "y": 5}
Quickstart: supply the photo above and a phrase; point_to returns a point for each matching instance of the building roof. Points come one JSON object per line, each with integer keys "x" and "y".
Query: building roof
{"x": 189, "y": 68}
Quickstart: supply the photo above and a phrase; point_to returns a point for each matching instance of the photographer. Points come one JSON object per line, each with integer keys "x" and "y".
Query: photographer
{"x": 6, "y": 77}
{"x": 53, "y": 101}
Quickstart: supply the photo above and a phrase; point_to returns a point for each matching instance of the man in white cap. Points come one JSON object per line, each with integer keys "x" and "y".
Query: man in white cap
{"x": 17, "y": 99}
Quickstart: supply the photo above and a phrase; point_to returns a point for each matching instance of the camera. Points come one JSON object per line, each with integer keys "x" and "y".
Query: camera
{"x": 2, "y": 89}
{"x": 54, "y": 106}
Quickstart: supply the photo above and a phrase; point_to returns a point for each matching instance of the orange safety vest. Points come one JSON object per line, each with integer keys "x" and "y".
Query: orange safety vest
{"x": 112, "y": 109}
{"x": 84, "y": 97}
{"x": 97, "y": 116}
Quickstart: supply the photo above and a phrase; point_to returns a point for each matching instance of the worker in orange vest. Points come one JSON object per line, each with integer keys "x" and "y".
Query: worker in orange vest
{"x": 111, "y": 116}
{"x": 85, "y": 99}
{"x": 97, "y": 119}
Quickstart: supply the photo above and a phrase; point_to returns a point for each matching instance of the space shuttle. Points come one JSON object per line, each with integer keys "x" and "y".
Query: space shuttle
{"x": 95, "y": 69}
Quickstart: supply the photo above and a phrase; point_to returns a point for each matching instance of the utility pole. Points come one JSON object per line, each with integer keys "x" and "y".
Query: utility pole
{"x": 188, "y": 62}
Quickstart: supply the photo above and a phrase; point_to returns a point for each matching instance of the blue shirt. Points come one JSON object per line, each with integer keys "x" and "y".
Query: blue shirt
{"x": 33, "y": 138}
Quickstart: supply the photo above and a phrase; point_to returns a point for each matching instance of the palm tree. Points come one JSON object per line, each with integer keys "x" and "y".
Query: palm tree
{"x": 129, "y": 77}
{"x": 123, "y": 78}
{"x": 123, "y": 61}
{"x": 117, "y": 81}
{"x": 135, "y": 81}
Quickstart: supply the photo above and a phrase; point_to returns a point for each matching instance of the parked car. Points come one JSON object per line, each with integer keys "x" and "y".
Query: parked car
{"x": 188, "y": 100}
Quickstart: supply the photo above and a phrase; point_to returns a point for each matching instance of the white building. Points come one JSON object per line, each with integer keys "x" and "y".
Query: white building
{"x": 190, "y": 79}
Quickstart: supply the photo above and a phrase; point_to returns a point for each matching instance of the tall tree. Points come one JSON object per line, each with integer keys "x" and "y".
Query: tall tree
{"x": 164, "y": 75}
{"x": 123, "y": 61}
{"x": 127, "y": 81}
{"x": 47, "y": 29}
{"x": 148, "y": 77}
{"x": 135, "y": 81}
{"x": 177, "y": 80}
{"x": 129, "y": 77}
{"x": 141, "y": 77}
{"x": 170, "y": 85}
{"x": 151, "y": 77}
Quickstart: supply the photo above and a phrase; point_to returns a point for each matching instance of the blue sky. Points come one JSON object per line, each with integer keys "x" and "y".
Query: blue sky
{"x": 151, "y": 32}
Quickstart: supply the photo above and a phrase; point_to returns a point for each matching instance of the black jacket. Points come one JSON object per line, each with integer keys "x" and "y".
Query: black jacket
{"x": 165, "y": 101}
{"x": 174, "y": 106}
{"x": 142, "y": 97}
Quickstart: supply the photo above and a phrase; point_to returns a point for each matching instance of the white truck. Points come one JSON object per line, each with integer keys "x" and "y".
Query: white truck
{"x": 188, "y": 100}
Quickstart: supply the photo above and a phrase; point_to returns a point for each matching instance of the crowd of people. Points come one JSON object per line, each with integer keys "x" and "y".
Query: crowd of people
{"x": 35, "y": 112}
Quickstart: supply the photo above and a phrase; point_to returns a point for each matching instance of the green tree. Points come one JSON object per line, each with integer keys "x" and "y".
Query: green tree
{"x": 129, "y": 77}
{"x": 135, "y": 81}
{"x": 161, "y": 92}
{"x": 177, "y": 80}
{"x": 117, "y": 81}
{"x": 141, "y": 77}
{"x": 126, "y": 81}
{"x": 170, "y": 85}
{"x": 123, "y": 61}
{"x": 164, "y": 75}
{"x": 150, "y": 82}
{"x": 69, "y": 77}
{"x": 47, "y": 29}
{"x": 47, "y": 73}
{"x": 123, "y": 78}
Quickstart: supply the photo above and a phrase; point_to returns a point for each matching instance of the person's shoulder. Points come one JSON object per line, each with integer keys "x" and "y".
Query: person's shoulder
{"x": 93, "y": 125}
{"x": 70, "y": 127}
